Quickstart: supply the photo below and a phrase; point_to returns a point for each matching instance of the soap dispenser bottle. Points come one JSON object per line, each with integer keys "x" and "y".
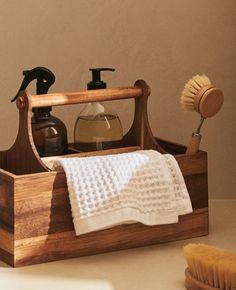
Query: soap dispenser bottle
{"x": 49, "y": 133}
{"x": 96, "y": 128}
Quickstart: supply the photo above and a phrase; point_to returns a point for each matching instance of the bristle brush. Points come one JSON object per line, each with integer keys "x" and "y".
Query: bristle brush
{"x": 209, "y": 268}
{"x": 200, "y": 95}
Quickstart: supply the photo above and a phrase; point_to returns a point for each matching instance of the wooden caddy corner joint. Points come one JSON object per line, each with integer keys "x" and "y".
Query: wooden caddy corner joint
{"x": 35, "y": 216}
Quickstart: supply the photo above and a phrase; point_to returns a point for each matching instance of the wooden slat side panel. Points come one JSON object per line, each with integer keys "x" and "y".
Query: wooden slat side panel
{"x": 67, "y": 245}
{"x": 6, "y": 204}
{"x": 43, "y": 208}
{"x": 44, "y": 222}
{"x": 6, "y": 219}
{"x": 171, "y": 147}
{"x": 40, "y": 212}
{"x": 192, "y": 164}
{"x": 6, "y": 241}
{"x": 33, "y": 185}
{"x": 44, "y": 229}
{"x": 197, "y": 186}
{"x": 2, "y": 159}
{"x": 7, "y": 257}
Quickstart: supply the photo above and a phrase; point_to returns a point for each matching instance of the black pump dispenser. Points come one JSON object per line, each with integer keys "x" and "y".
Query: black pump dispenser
{"x": 96, "y": 82}
{"x": 49, "y": 133}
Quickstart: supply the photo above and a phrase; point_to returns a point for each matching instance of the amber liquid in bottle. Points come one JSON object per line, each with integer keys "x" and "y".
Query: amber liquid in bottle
{"x": 103, "y": 131}
{"x": 49, "y": 134}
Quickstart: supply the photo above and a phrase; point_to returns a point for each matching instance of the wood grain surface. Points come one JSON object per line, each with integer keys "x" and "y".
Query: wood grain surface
{"x": 43, "y": 218}
{"x": 35, "y": 215}
{"x": 64, "y": 245}
{"x": 61, "y": 99}
{"x": 36, "y": 223}
{"x": 6, "y": 217}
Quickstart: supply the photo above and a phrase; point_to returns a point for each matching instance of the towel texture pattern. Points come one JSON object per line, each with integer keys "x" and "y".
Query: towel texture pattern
{"x": 142, "y": 186}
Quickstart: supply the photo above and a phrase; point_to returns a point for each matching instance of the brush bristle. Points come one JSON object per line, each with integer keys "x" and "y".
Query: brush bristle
{"x": 191, "y": 89}
{"x": 212, "y": 266}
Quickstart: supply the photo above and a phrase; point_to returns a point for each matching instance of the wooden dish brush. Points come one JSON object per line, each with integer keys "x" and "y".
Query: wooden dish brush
{"x": 209, "y": 268}
{"x": 201, "y": 96}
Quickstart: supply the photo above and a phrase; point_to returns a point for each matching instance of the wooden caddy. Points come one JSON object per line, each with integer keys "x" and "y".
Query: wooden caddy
{"x": 35, "y": 216}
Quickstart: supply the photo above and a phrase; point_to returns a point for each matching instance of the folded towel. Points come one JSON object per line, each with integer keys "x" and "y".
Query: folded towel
{"x": 142, "y": 186}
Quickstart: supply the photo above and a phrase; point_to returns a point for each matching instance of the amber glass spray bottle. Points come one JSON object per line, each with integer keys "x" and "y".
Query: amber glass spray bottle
{"x": 49, "y": 132}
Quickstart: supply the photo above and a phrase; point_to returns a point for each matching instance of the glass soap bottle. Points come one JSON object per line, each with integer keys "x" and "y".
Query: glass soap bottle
{"x": 96, "y": 128}
{"x": 49, "y": 133}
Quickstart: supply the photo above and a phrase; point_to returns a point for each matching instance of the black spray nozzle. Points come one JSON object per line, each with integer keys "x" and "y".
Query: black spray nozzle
{"x": 96, "y": 82}
{"x": 45, "y": 78}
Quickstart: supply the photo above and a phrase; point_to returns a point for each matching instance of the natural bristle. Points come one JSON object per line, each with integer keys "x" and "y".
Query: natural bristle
{"x": 191, "y": 89}
{"x": 211, "y": 266}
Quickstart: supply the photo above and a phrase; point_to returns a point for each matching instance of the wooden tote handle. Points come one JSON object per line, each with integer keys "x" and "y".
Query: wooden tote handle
{"x": 23, "y": 158}
{"x": 61, "y": 99}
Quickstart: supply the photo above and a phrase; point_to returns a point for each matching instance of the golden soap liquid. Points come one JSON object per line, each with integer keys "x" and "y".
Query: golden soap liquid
{"x": 103, "y": 131}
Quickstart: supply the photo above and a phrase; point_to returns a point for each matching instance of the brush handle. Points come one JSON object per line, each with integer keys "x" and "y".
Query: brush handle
{"x": 194, "y": 143}
{"x": 192, "y": 283}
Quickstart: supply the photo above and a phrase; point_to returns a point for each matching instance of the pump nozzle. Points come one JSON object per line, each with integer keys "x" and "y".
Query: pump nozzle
{"x": 45, "y": 78}
{"x": 96, "y": 82}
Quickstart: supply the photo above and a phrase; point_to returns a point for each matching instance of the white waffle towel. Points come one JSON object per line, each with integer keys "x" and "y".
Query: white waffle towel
{"x": 142, "y": 186}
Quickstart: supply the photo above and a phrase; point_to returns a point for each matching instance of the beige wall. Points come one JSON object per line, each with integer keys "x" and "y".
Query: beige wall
{"x": 164, "y": 42}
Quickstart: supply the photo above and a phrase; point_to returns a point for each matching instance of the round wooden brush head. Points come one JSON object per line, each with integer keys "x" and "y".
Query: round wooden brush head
{"x": 200, "y": 95}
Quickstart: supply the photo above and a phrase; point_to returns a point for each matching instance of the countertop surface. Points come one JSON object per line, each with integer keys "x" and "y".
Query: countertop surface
{"x": 153, "y": 267}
